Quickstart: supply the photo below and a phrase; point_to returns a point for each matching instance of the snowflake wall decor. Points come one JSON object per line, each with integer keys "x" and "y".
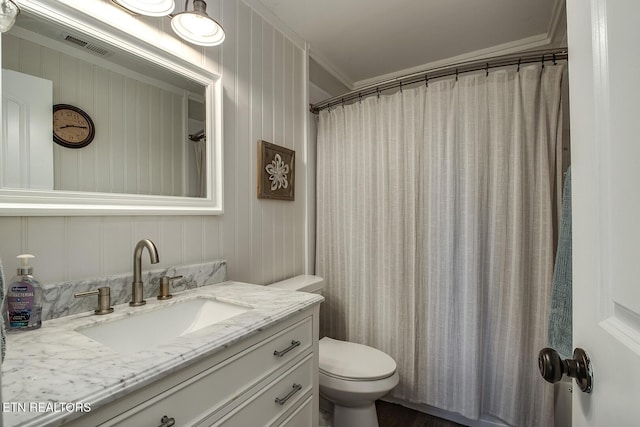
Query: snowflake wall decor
{"x": 276, "y": 171}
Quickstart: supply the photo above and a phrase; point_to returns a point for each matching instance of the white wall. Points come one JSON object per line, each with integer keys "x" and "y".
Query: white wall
{"x": 316, "y": 94}
{"x": 264, "y": 80}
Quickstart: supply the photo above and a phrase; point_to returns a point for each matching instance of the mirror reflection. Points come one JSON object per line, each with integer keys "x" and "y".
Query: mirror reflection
{"x": 145, "y": 124}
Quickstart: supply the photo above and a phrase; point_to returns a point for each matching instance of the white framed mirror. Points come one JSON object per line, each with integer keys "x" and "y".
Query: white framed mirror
{"x": 157, "y": 148}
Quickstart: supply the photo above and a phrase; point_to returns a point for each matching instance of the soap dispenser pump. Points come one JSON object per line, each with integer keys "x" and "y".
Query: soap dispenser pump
{"x": 24, "y": 299}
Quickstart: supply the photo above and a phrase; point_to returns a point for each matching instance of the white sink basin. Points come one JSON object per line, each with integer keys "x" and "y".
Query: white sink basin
{"x": 161, "y": 325}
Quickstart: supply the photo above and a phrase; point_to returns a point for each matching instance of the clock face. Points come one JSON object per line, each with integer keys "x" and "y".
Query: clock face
{"x": 72, "y": 127}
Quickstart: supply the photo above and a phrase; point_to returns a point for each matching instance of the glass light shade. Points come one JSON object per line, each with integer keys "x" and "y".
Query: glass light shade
{"x": 148, "y": 7}
{"x": 8, "y": 12}
{"x": 197, "y": 27}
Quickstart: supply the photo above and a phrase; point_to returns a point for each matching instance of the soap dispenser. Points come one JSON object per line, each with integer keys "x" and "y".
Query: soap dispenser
{"x": 24, "y": 299}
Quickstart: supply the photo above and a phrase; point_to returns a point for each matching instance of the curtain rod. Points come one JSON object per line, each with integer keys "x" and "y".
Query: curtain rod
{"x": 449, "y": 70}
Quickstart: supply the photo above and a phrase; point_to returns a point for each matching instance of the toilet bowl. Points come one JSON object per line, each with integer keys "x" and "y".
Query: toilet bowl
{"x": 351, "y": 376}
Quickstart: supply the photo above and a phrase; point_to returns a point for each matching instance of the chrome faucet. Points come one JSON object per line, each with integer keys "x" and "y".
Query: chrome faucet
{"x": 137, "y": 296}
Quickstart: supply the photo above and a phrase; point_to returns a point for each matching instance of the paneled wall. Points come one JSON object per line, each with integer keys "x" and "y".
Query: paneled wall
{"x": 264, "y": 79}
{"x": 141, "y": 140}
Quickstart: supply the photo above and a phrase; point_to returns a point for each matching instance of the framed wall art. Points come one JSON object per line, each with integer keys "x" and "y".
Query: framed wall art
{"x": 276, "y": 171}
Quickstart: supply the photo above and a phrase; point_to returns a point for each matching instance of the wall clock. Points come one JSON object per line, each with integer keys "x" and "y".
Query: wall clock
{"x": 72, "y": 127}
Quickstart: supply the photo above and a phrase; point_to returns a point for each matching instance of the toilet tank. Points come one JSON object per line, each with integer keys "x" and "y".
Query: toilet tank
{"x": 303, "y": 283}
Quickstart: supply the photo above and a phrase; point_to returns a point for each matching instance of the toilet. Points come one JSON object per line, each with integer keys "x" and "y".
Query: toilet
{"x": 352, "y": 376}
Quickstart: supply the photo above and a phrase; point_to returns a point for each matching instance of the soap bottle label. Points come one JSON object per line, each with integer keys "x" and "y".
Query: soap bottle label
{"x": 20, "y": 302}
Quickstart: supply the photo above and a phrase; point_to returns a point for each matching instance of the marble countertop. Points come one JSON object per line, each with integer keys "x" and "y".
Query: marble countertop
{"x": 55, "y": 364}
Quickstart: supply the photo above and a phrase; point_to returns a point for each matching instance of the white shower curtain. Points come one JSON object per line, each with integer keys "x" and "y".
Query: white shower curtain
{"x": 435, "y": 234}
{"x": 200, "y": 149}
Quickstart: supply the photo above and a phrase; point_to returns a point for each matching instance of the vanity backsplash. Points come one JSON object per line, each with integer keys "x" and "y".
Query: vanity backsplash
{"x": 58, "y": 299}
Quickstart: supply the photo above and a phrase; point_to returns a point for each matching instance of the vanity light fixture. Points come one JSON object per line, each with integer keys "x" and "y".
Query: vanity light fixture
{"x": 148, "y": 7}
{"x": 8, "y": 12}
{"x": 196, "y": 26}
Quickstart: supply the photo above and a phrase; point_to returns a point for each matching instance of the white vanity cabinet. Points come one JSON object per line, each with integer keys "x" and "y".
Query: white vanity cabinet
{"x": 267, "y": 379}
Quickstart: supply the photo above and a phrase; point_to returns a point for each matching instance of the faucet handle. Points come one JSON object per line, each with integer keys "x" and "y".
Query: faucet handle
{"x": 104, "y": 299}
{"x": 164, "y": 287}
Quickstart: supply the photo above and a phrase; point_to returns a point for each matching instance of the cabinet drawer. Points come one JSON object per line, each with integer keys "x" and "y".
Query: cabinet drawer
{"x": 302, "y": 417}
{"x": 270, "y": 404}
{"x": 207, "y": 392}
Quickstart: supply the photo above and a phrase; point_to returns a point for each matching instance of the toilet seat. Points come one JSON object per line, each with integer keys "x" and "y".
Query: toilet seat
{"x": 354, "y": 362}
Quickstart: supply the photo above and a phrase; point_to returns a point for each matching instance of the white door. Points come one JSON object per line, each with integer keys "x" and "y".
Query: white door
{"x": 27, "y": 143}
{"x": 604, "y": 65}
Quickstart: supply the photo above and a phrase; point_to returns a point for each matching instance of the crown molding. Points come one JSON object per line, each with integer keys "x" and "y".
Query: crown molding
{"x": 331, "y": 69}
{"x": 278, "y": 23}
{"x": 557, "y": 30}
{"x": 533, "y": 42}
{"x": 556, "y": 33}
{"x": 271, "y": 18}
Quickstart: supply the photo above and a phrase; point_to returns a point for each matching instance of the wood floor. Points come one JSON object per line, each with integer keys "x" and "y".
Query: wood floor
{"x": 391, "y": 415}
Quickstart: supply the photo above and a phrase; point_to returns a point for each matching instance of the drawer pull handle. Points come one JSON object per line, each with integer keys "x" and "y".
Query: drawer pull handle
{"x": 281, "y": 353}
{"x": 282, "y": 401}
{"x": 167, "y": 422}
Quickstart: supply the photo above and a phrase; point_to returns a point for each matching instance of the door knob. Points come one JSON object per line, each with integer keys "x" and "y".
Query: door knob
{"x": 552, "y": 367}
